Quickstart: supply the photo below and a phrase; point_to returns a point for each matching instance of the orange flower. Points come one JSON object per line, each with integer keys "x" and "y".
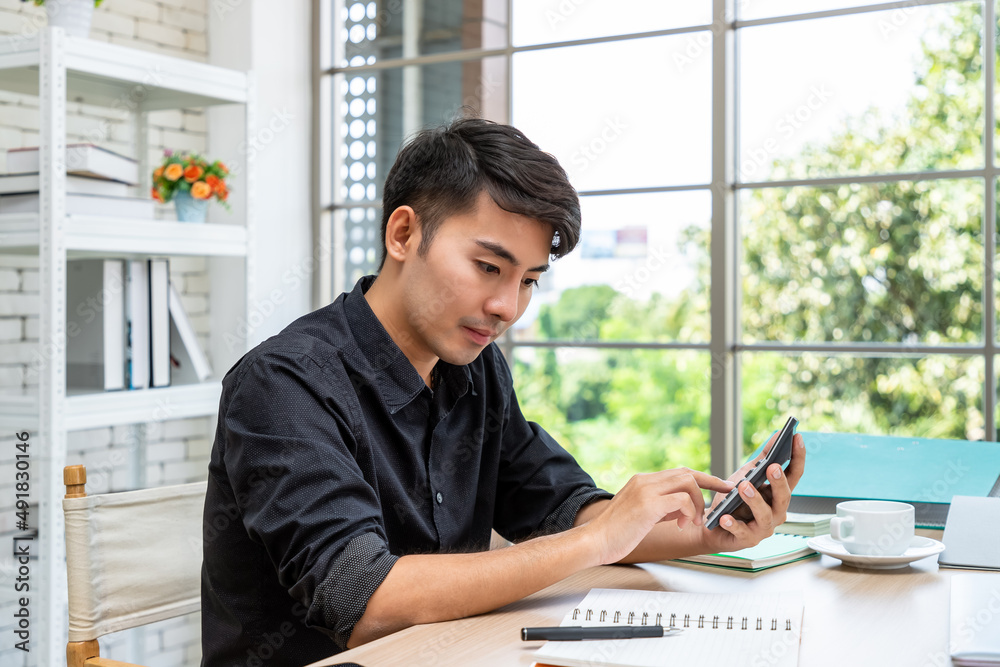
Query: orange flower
{"x": 222, "y": 191}
{"x": 193, "y": 173}
{"x": 201, "y": 190}
{"x": 213, "y": 182}
{"x": 158, "y": 172}
{"x": 173, "y": 171}
{"x": 156, "y": 195}
{"x": 223, "y": 168}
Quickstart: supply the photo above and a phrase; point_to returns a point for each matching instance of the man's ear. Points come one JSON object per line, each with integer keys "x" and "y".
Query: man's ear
{"x": 402, "y": 233}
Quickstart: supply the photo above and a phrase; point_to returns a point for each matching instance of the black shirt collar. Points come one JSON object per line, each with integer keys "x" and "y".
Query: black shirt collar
{"x": 391, "y": 372}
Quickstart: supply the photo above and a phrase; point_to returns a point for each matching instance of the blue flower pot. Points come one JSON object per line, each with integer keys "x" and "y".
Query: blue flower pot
{"x": 190, "y": 209}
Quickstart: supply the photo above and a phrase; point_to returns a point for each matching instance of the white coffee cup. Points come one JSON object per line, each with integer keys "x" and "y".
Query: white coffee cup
{"x": 873, "y": 527}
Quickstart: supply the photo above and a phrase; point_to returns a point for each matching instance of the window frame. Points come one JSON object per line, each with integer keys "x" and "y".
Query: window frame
{"x": 725, "y": 345}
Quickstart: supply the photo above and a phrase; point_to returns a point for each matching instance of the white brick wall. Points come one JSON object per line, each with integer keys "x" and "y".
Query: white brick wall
{"x": 170, "y": 28}
{"x": 175, "y": 451}
{"x": 11, "y": 329}
{"x": 10, "y": 280}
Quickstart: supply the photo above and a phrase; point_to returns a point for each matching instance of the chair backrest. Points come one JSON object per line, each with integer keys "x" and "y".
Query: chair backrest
{"x": 132, "y": 557}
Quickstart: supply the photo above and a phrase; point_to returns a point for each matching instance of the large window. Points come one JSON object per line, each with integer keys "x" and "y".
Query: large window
{"x": 809, "y": 233}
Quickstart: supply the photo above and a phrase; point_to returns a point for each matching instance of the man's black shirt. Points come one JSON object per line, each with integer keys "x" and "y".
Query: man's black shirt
{"x": 333, "y": 458}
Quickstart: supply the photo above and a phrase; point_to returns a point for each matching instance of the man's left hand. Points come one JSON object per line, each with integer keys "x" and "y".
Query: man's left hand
{"x": 763, "y": 509}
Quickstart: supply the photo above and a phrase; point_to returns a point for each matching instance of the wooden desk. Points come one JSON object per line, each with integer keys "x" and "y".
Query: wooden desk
{"x": 896, "y": 618}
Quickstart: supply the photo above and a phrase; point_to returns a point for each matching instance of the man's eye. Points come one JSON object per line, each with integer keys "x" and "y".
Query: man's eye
{"x": 488, "y": 268}
{"x": 530, "y": 282}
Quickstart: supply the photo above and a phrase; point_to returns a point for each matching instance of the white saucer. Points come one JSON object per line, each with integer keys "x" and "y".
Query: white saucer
{"x": 920, "y": 547}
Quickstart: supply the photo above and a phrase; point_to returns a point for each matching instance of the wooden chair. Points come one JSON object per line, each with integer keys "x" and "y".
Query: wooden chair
{"x": 132, "y": 558}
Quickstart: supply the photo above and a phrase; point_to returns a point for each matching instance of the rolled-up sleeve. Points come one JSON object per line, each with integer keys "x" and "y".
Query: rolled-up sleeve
{"x": 541, "y": 487}
{"x": 300, "y": 492}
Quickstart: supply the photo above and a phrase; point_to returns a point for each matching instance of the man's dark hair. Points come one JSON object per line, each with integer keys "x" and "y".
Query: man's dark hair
{"x": 441, "y": 172}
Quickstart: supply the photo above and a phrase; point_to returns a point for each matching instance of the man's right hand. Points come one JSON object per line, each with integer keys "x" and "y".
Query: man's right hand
{"x": 426, "y": 588}
{"x": 646, "y": 500}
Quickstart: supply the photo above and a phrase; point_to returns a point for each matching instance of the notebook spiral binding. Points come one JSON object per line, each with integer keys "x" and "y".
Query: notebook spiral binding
{"x": 715, "y": 623}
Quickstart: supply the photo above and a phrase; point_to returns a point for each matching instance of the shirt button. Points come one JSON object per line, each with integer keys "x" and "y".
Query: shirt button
{"x": 440, "y": 498}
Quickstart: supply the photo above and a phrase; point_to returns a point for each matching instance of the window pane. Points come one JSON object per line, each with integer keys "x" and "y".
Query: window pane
{"x": 935, "y": 396}
{"x": 609, "y": 120}
{"x": 996, "y": 100}
{"x": 996, "y": 263}
{"x": 362, "y": 248}
{"x": 379, "y": 109}
{"x": 761, "y": 9}
{"x": 640, "y": 273}
{"x": 619, "y": 411}
{"x": 889, "y": 262}
{"x": 828, "y": 111}
{"x": 372, "y": 31}
{"x": 546, "y": 21}
{"x": 996, "y": 410}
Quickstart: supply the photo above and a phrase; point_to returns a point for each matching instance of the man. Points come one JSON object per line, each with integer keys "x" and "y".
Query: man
{"x": 364, "y": 454}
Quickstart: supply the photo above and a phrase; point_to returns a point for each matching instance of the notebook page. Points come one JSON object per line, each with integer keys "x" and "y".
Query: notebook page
{"x": 718, "y": 630}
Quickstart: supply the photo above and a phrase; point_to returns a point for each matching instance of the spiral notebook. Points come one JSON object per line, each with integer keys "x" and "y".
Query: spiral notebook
{"x": 717, "y": 630}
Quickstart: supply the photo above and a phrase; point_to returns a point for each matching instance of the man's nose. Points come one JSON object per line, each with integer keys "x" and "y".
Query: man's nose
{"x": 502, "y": 304}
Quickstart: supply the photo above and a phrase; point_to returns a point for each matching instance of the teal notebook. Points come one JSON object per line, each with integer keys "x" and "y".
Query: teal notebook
{"x": 925, "y": 472}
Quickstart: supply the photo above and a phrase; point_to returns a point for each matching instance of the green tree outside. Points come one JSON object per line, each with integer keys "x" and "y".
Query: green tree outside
{"x": 888, "y": 262}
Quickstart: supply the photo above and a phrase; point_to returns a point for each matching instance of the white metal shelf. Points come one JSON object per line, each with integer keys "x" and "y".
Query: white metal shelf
{"x": 117, "y": 76}
{"x": 59, "y": 69}
{"x": 114, "y": 408}
{"x": 87, "y": 236}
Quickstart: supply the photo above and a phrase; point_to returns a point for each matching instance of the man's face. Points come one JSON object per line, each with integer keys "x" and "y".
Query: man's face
{"x": 474, "y": 281}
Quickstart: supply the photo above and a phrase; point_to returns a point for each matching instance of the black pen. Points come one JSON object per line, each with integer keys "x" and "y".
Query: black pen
{"x": 578, "y": 632}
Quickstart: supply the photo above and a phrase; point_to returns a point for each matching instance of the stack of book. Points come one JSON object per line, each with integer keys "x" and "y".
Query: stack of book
{"x": 772, "y": 551}
{"x": 810, "y": 525}
{"x": 97, "y": 182}
{"x": 126, "y": 327}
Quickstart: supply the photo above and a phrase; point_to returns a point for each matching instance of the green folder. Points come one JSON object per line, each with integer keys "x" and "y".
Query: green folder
{"x": 925, "y": 472}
